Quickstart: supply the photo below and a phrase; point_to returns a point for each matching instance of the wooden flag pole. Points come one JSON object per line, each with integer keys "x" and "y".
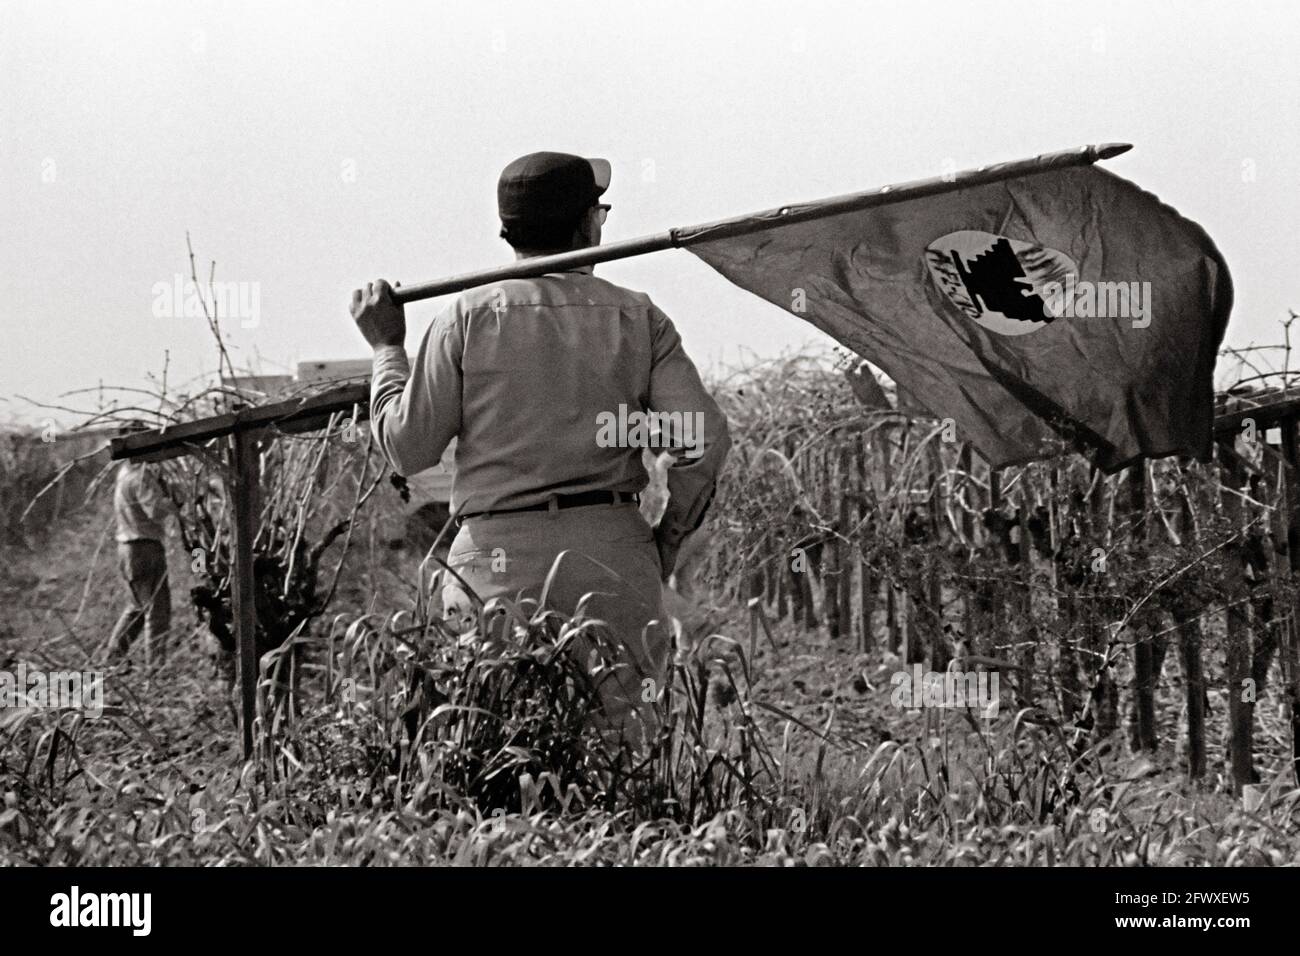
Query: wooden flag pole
{"x": 686, "y": 236}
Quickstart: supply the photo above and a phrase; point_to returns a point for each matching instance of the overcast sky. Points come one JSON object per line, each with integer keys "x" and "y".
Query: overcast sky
{"x": 308, "y": 147}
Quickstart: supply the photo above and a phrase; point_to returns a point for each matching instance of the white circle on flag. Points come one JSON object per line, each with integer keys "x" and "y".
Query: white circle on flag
{"x": 1005, "y": 285}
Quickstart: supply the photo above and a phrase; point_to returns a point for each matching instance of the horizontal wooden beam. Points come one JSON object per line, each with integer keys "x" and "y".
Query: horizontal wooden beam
{"x": 312, "y": 412}
{"x": 294, "y": 415}
{"x": 1264, "y": 416}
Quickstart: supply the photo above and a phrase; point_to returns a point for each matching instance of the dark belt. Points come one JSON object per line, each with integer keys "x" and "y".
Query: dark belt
{"x": 580, "y": 500}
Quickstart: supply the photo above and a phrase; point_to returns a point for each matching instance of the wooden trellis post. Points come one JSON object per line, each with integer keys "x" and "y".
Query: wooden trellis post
{"x": 245, "y": 455}
{"x": 1240, "y": 712}
{"x": 1284, "y": 414}
{"x": 1029, "y": 631}
{"x": 996, "y": 638}
{"x": 246, "y": 428}
{"x": 1190, "y": 633}
{"x": 1290, "y": 650}
{"x": 868, "y": 580}
{"x": 1146, "y": 671}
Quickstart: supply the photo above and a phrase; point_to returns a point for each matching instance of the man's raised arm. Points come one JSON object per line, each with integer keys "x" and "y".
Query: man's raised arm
{"x": 412, "y": 416}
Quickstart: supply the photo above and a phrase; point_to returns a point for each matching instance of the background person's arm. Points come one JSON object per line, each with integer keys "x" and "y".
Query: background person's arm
{"x": 152, "y": 498}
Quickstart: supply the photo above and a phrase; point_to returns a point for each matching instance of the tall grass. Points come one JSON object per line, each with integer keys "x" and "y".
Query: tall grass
{"x": 470, "y": 766}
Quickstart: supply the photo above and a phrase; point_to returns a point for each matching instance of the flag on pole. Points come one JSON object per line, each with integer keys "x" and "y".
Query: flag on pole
{"x": 1062, "y": 304}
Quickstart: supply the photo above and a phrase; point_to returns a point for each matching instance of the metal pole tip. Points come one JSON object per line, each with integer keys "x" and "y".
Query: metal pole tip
{"x": 1110, "y": 150}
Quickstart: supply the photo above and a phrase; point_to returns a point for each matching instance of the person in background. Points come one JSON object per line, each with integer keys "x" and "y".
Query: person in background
{"x": 522, "y": 373}
{"x": 141, "y": 507}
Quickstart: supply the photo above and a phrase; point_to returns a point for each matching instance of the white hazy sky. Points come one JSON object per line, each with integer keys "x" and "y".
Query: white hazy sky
{"x": 308, "y": 147}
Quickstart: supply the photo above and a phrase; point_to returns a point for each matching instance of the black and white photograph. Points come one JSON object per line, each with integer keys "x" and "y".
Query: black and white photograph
{"x": 492, "y": 443}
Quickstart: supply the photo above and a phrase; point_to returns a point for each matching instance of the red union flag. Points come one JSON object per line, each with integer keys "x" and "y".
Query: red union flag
{"x": 1063, "y": 304}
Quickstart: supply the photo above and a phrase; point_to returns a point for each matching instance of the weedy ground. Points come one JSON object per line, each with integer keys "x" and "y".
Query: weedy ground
{"x": 411, "y": 747}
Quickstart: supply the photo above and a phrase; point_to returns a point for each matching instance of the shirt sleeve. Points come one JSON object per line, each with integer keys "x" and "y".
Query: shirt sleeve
{"x": 150, "y": 495}
{"x": 675, "y": 386}
{"x": 414, "y": 415}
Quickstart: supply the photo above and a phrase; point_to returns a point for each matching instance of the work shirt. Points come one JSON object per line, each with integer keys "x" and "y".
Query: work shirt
{"x": 434, "y": 484}
{"x": 139, "y": 503}
{"x": 544, "y": 383}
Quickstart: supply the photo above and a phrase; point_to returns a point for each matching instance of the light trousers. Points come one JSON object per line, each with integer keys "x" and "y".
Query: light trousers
{"x": 144, "y": 566}
{"x": 607, "y": 555}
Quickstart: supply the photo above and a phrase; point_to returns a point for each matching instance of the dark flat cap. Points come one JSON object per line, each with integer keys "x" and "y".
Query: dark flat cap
{"x": 550, "y": 187}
